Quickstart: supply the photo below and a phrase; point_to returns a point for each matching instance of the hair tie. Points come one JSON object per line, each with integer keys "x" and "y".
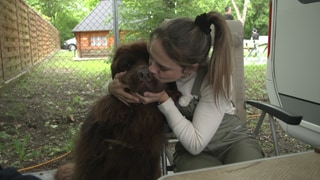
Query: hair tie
{"x": 201, "y": 21}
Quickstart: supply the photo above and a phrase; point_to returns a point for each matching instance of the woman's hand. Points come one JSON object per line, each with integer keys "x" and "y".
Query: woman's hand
{"x": 117, "y": 89}
{"x": 149, "y": 97}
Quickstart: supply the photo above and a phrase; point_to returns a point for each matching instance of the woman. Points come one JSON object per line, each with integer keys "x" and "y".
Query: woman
{"x": 203, "y": 119}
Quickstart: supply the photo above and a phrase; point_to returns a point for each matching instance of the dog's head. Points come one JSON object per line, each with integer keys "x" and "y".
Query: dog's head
{"x": 133, "y": 58}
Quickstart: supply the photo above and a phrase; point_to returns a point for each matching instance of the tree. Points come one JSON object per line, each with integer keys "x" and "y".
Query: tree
{"x": 258, "y": 17}
{"x": 90, "y": 4}
{"x": 64, "y": 15}
{"x": 241, "y": 16}
{"x": 252, "y": 14}
{"x": 141, "y": 17}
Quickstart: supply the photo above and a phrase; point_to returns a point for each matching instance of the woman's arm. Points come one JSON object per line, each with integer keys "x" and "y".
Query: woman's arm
{"x": 207, "y": 117}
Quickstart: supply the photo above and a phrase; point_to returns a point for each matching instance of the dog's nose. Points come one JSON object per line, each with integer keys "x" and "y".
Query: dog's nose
{"x": 144, "y": 75}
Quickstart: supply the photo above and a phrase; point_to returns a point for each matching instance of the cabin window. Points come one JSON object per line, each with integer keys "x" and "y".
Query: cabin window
{"x": 98, "y": 41}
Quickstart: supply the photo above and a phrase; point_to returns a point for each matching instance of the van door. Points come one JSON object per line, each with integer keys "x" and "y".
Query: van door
{"x": 293, "y": 67}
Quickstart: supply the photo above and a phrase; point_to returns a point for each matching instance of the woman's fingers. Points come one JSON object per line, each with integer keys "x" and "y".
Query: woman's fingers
{"x": 124, "y": 101}
{"x": 117, "y": 88}
{"x": 129, "y": 98}
{"x": 119, "y": 75}
{"x": 149, "y": 97}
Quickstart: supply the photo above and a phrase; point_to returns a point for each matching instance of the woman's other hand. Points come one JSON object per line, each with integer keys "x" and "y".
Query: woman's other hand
{"x": 149, "y": 97}
{"x": 117, "y": 89}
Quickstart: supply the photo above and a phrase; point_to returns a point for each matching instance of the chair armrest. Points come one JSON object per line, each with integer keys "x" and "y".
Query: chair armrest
{"x": 276, "y": 111}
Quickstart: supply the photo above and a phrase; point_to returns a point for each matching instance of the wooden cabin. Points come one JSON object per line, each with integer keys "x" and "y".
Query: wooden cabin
{"x": 93, "y": 33}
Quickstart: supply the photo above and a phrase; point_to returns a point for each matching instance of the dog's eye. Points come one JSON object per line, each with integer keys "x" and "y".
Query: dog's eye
{"x": 129, "y": 65}
{"x": 124, "y": 67}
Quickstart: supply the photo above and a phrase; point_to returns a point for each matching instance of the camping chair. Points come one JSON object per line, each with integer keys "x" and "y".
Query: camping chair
{"x": 273, "y": 112}
{"x": 239, "y": 101}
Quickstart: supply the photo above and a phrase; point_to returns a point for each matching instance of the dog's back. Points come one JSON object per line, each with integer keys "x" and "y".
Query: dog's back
{"x": 120, "y": 142}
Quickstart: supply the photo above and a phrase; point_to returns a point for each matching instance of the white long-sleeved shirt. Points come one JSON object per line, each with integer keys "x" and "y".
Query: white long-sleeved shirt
{"x": 196, "y": 134}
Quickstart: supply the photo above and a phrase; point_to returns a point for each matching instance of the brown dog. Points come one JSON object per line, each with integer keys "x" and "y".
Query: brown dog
{"x": 118, "y": 141}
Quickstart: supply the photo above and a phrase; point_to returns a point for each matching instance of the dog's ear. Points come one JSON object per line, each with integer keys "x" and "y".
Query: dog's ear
{"x": 128, "y": 55}
{"x": 173, "y": 91}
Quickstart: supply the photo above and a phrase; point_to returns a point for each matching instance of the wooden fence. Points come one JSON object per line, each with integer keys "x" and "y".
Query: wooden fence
{"x": 25, "y": 38}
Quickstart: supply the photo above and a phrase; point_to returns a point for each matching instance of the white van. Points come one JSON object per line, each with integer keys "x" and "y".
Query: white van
{"x": 293, "y": 67}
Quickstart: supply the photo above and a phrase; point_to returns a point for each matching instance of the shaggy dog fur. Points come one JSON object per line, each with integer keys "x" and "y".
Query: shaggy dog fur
{"x": 118, "y": 141}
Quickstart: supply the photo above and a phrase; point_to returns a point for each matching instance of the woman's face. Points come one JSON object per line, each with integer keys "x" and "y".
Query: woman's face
{"x": 161, "y": 66}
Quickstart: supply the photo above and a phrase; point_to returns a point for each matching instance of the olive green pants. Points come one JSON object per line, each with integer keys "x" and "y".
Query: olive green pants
{"x": 230, "y": 144}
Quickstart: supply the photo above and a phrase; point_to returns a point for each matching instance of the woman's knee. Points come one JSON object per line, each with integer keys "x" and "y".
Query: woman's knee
{"x": 243, "y": 151}
{"x": 187, "y": 161}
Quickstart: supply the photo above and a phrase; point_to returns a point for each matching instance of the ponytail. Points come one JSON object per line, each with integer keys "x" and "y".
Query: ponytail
{"x": 220, "y": 64}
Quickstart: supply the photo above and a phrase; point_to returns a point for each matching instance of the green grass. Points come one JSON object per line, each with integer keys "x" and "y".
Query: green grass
{"x": 42, "y": 99}
{"x": 63, "y": 60}
{"x": 255, "y": 81}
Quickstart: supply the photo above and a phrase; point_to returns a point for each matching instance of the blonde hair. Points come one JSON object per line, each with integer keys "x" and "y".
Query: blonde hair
{"x": 188, "y": 42}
